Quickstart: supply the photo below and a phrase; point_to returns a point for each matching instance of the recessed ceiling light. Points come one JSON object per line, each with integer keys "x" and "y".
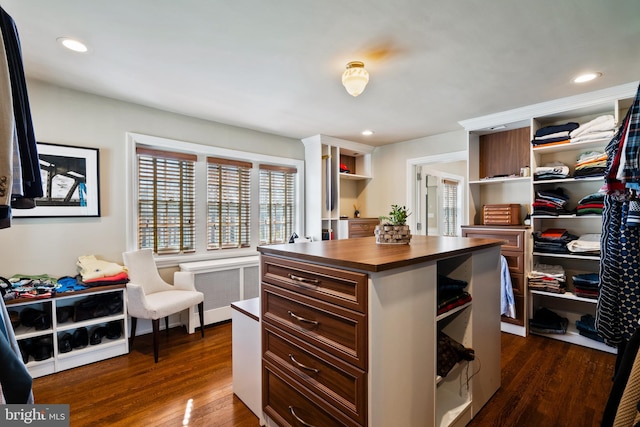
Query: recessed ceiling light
{"x": 586, "y": 77}
{"x": 367, "y": 132}
{"x": 73, "y": 44}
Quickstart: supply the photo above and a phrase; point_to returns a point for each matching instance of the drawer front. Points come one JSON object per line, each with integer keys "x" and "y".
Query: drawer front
{"x": 337, "y": 382}
{"x": 362, "y": 228}
{"x": 289, "y": 404}
{"x": 517, "y": 282}
{"x": 344, "y": 288}
{"x": 514, "y": 239}
{"x": 336, "y": 330}
{"x": 515, "y": 261}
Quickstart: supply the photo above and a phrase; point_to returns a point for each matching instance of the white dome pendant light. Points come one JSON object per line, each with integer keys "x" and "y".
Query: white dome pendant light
{"x": 355, "y": 78}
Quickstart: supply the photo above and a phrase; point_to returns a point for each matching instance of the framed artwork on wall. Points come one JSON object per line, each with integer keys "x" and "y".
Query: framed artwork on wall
{"x": 70, "y": 182}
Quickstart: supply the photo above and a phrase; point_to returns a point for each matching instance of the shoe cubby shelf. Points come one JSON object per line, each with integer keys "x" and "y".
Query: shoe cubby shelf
{"x": 71, "y": 329}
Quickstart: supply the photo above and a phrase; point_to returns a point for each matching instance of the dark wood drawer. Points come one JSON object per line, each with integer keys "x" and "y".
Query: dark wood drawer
{"x": 339, "y": 383}
{"x": 289, "y": 404}
{"x": 517, "y": 283}
{"x": 362, "y": 227}
{"x": 514, "y": 239}
{"x": 515, "y": 261}
{"x": 344, "y": 288}
{"x": 338, "y": 331}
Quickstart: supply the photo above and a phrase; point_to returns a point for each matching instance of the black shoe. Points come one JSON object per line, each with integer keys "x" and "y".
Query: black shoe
{"x": 25, "y": 348}
{"x": 114, "y": 330}
{"x": 80, "y": 338}
{"x": 63, "y": 314}
{"x": 64, "y": 343}
{"x": 14, "y": 316}
{"x": 42, "y": 348}
{"x": 97, "y": 334}
{"x": 30, "y": 317}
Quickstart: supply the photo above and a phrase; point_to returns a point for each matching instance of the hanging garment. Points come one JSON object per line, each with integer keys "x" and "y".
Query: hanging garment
{"x": 508, "y": 303}
{"x": 618, "y": 307}
{"x": 30, "y": 172}
{"x": 6, "y": 140}
{"x": 15, "y": 380}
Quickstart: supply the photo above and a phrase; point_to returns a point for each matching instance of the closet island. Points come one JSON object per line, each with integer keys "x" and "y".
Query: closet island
{"x": 351, "y": 331}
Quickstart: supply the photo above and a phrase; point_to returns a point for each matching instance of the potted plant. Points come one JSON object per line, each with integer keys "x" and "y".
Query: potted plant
{"x": 393, "y": 228}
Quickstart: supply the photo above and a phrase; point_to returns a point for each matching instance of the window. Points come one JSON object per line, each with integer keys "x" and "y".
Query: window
{"x": 166, "y": 201}
{"x": 277, "y": 203}
{"x": 228, "y": 203}
{"x": 449, "y": 207}
{"x": 195, "y": 202}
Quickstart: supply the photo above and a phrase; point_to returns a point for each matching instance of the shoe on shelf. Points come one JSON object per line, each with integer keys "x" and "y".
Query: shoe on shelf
{"x": 97, "y": 334}
{"x": 80, "y": 338}
{"x": 65, "y": 343}
{"x": 64, "y": 313}
{"x": 42, "y": 348}
{"x": 114, "y": 330}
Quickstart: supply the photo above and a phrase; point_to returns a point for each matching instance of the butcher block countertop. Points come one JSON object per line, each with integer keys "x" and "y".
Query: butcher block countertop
{"x": 365, "y": 254}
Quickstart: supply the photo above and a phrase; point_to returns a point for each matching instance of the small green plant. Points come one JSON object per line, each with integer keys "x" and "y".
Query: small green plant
{"x": 397, "y": 216}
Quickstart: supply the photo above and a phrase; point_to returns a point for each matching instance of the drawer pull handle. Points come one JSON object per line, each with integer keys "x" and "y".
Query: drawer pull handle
{"x": 302, "y": 366}
{"x": 302, "y": 319}
{"x": 300, "y": 420}
{"x": 304, "y": 280}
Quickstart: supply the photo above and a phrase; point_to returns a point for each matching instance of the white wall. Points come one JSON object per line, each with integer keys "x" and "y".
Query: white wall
{"x": 61, "y": 116}
{"x": 389, "y": 164}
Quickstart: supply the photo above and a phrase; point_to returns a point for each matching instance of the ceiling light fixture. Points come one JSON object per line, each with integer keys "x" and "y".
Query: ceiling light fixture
{"x": 72, "y": 44}
{"x": 367, "y": 132}
{"x": 355, "y": 78}
{"x": 586, "y": 77}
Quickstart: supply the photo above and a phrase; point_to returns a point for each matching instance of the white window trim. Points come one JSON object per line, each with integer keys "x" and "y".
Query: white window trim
{"x": 201, "y": 254}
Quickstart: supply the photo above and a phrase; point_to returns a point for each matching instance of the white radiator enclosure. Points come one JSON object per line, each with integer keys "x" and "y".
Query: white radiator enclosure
{"x": 222, "y": 281}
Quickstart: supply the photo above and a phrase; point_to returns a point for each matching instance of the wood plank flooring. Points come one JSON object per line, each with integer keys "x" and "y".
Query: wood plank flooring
{"x": 544, "y": 383}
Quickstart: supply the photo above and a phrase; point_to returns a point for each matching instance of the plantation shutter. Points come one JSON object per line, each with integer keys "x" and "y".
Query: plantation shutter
{"x": 166, "y": 201}
{"x": 228, "y": 203}
{"x": 277, "y": 203}
{"x": 450, "y": 207}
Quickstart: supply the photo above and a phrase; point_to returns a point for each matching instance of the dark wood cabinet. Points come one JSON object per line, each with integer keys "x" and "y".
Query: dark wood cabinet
{"x": 515, "y": 251}
{"x": 314, "y": 341}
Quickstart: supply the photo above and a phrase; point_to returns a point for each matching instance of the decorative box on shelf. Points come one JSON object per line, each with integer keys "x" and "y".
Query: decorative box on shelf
{"x": 502, "y": 214}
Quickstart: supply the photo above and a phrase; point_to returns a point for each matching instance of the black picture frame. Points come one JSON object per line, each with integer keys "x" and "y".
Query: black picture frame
{"x": 70, "y": 182}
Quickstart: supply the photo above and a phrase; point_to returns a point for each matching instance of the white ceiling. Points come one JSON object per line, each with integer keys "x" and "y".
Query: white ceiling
{"x": 275, "y": 65}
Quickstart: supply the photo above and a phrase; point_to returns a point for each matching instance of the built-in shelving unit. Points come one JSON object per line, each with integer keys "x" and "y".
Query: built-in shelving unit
{"x": 507, "y": 187}
{"x": 330, "y": 193}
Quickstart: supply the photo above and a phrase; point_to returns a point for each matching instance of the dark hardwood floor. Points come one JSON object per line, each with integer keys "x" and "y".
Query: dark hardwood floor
{"x": 544, "y": 383}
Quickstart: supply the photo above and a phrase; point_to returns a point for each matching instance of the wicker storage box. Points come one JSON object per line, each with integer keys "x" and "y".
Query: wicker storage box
{"x": 507, "y": 214}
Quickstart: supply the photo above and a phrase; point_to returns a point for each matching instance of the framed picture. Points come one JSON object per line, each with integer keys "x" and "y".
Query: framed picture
{"x": 70, "y": 182}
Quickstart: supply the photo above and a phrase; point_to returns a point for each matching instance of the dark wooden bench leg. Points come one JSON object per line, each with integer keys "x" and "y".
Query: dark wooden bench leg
{"x": 134, "y": 324}
{"x": 201, "y": 316}
{"x": 156, "y": 338}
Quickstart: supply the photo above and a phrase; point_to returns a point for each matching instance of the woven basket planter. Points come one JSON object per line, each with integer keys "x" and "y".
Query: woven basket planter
{"x": 393, "y": 234}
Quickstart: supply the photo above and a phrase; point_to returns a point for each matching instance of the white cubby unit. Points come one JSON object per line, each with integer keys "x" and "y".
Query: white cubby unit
{"x": 59, "y": 326}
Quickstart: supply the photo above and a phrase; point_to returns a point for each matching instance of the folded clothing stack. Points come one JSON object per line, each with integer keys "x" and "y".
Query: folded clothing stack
{"x": 587, "y": 327}
{"x": 555, "y": 134}
{"x": 548, "y": 322}
{"x": 552, "y": 240}
{"x": 548, "y": 278}
{"x": 451, "y": 293}
{"x": 551, "y": 202}
{"x": 586, "y": 244}
{"x": 602, "y": 127}
{"x": 96, "y": 272}
{"x": 586, "y": 285}
{"x": 590, "y": 164}
{"x": 553, "y": 170}
{"x": 591, "y": 204}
